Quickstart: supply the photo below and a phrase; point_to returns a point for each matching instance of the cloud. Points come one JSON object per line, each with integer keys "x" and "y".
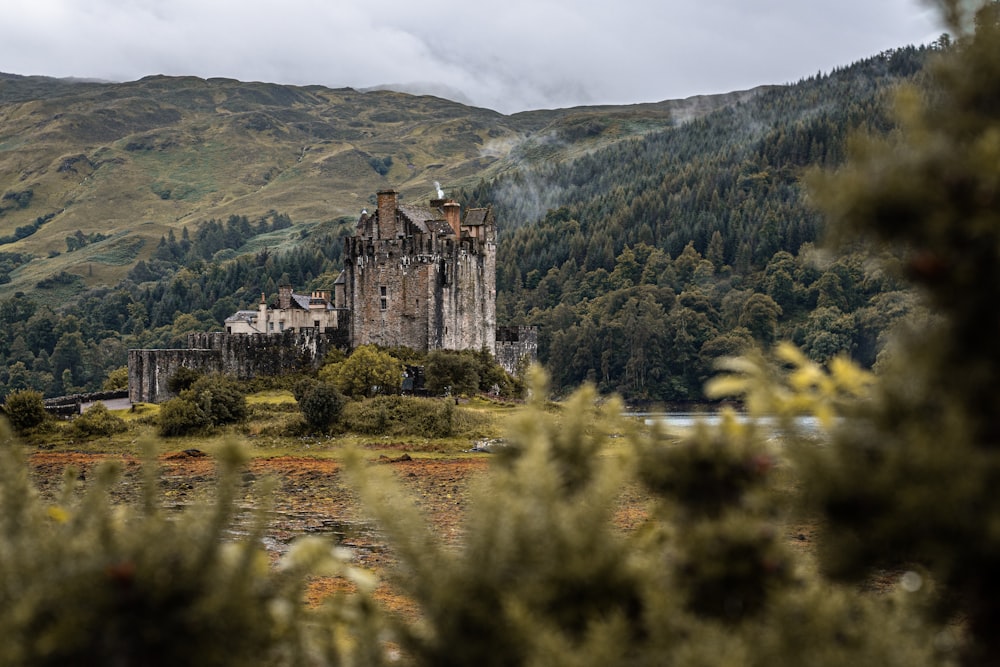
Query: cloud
{"x": 525, "y": 54}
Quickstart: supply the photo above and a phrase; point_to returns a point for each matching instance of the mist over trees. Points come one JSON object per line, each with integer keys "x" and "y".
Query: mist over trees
{"x": 656, "y": 256}
{"x": 661, "y": 255}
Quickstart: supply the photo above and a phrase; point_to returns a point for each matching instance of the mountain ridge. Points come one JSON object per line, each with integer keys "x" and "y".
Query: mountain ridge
{"x": 162, "y": 152}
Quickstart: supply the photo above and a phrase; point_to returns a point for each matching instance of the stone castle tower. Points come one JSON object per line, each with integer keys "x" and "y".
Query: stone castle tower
{"x": 421, "y": 276}
{"x": 417, "y": 276}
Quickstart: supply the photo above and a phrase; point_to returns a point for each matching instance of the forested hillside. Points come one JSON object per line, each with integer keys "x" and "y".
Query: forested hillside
{"x": 642, "y": 253}
{"x": 660, "y": 254}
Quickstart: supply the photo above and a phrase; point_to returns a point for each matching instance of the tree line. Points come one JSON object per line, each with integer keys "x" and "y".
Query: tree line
{"x": 649, "y": 260}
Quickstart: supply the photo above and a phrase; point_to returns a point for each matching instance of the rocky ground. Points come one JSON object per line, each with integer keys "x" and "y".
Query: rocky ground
{"x": 312, "y": 497}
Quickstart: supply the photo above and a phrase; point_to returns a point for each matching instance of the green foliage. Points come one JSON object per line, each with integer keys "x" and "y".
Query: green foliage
{"x": 24, "y": 409}
{"x": 912, "y": 476}
{"x": 546, "y": 576}
{"x": 401, "y": 416}
{"x": 451, "y": 372}
{"x": 220, "y": 397}
{"x": 321, "y": 404}
{"x": 116, "y": 379}
{"x": 367, "y": 372}
{"x": 97, "y": 420}
{"x": 84, "y": 581}
{"x": 180, "y": 416}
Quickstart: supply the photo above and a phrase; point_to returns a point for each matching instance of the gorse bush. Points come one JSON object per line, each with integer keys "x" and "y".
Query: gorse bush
{"x": 179, "y": 416}
{"x": 221, "y": 398}
{"x": 210, "y": 400}
{"x": 400, "y": 416}
{"x": 97, "y": 420}
{"x": 321, "y": 404}
{"x": 24, "y": 409}
{"x": 84, "y": 582}
{"x": 545, "y": 575}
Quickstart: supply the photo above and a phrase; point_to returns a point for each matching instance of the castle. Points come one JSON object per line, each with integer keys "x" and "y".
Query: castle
{"x": 418, "y": 276}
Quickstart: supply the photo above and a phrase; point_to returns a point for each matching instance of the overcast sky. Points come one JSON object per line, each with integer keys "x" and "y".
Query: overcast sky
{"x": 508, "y": 55}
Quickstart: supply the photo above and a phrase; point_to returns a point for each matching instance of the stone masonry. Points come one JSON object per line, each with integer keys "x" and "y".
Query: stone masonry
{"x": 418, "y": 276}
{"x": 422, "y": 277}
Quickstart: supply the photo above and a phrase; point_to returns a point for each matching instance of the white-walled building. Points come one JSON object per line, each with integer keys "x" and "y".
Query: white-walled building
{"x": 293, "y": 312}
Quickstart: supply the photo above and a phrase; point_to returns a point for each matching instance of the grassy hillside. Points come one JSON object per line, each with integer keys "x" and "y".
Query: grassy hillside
{"x": 645, "y": 241}
{"x": 131, "y": 161}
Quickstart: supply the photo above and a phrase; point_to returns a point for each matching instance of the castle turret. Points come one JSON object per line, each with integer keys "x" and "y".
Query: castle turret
{"x": 262, "y": 320}
{"x": 453, "y": 216}
{"x": 387, "y": 226}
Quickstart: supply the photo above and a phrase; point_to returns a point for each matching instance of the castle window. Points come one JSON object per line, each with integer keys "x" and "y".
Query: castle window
{"x": 383, "y": 297}
{"x": 316, "y": 324}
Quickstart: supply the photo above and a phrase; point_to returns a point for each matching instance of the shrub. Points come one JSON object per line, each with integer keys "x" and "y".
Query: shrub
{"x": 367, "y": 372}
{"x": 182, "y": 379}
{"x": 448, "y": 371}
{"x": 117, "y": 379}
{"x": 221, "y": 398}
{"x": 96, "y": 583}
{"x": 25, "y": 409}
{"x": 303, "y": 386}
{"x": 211, "y": 400}
{"x": 322, "y": 405}
{"x": 98, "y": 421}
{"x": 180, "y": 416}
{"x": 401, "y": 416}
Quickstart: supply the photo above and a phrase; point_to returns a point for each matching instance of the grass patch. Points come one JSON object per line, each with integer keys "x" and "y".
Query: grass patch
{"x": 275, "y": 427}
{"x": 119, "y": 252}
{"x": 272, "y": 397}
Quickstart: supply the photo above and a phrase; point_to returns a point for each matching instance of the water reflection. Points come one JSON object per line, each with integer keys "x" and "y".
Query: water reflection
{"x": 680, "y": 421}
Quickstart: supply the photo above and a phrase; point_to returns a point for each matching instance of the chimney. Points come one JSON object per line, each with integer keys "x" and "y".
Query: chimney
{"x": 284, "y": 297}
{"x": 453, "y": 215}
{"x": 387, "y": 214}
{"x": 262, "y": 319}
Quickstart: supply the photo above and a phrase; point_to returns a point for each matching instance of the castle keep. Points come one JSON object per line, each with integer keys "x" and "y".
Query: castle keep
{"x": 419, "y": 276}
{"x": 422, "y": 276}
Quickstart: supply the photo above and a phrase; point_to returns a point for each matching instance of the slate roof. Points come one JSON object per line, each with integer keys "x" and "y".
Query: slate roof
{"x": 440, "y": 227}
{"x": 476, "y": 216}
{"x": 243, "y": 316}
{"x": 425, "y": 218}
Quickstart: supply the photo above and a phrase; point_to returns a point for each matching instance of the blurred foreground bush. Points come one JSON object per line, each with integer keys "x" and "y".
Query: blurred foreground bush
{"x": 85, "y": 582}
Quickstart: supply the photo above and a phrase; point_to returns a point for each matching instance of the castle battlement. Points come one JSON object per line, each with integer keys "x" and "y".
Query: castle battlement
{"x": 417, "y": 276}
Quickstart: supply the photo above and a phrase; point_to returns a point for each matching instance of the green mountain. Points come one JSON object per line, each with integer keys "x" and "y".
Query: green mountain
{"x": 646, "y": 241}
{"x": 123, "y": 164}
{"x": 647, "y": 260}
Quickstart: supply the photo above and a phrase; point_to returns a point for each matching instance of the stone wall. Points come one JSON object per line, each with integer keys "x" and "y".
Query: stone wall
{"x": 243, "y": 356}
{"x": 401, "y": 295}
{"x": 246, "y": 356}
{"x": 516, "y": 346}
{"x": 64, "y": 406}
{"x": 468, "y": 298}
{"x": 149, "y": 370}
{"x": 408, "y": 280}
